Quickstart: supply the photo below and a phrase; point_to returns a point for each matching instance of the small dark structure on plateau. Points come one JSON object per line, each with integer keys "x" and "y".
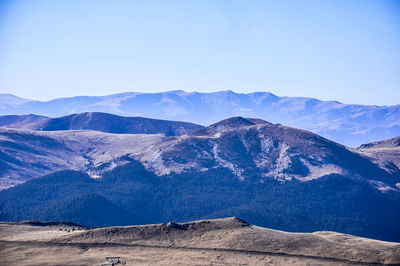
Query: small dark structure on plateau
{"x": 111, "y": 261}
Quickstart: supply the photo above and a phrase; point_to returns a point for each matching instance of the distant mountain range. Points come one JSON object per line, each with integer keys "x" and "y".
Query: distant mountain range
{"x": 351, "y": 125}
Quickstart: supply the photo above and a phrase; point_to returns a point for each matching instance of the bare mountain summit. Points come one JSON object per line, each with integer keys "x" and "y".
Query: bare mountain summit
{"x": 253, "y": 147}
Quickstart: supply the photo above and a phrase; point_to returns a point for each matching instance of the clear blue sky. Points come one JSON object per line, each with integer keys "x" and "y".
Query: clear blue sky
{"x": 332, "y": 50}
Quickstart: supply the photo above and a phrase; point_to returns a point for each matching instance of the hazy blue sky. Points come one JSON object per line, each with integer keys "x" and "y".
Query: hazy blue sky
{"x": 332, "y": 50}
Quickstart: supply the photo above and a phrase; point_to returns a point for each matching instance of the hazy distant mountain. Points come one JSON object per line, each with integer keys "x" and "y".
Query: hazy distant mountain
{"x": 11, "y": 101}
{"x": 348, "y": 124}
{"x": 100, "y": 122}
{"x": 248, "y": 148}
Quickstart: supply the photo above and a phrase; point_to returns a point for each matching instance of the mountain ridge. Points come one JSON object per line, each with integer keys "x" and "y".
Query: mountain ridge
{"x": 389, "y": 143}
{"x": 245, "y": 146}
{"x": 98, "y": 121}
{"x": 351, "y": 125}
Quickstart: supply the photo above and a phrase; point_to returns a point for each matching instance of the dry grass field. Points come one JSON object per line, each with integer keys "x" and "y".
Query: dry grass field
{"x": 228, "y": 241}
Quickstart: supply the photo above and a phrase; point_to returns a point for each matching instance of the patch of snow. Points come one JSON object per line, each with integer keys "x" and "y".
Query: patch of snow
{"x": 319, "y": 171}
{"x": 263, "y": 158}
{"x": 382, "y": 187}
{"x": 283, "y": 161}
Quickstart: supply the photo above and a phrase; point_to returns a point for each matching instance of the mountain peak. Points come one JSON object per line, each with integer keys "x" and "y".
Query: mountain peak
{"x": 236, "y": 121}
{"x": 229, "y": 124}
